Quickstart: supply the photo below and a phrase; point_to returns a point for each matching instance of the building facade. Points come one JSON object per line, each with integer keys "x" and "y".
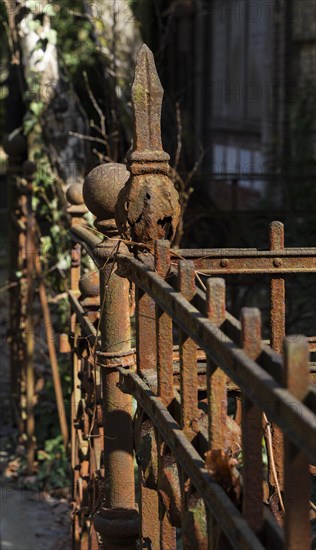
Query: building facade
{"x": 239, "y": 70}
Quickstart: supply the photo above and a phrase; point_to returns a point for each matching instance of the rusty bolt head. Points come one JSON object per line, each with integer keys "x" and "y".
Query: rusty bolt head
{"x": 101, "y": 188}
{"x": 224, "y": 263}
{"x": 75, "y": 194}
{"x": 277, "y": 262}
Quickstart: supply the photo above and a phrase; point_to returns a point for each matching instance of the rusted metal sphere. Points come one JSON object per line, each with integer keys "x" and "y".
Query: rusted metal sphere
{"x": 16, "y": 146}
{"x": 148, "y": 208}
{"x": 89, "y": 285}
{"x": 74, "y": 194}
{"x": 29, "y": 168}
{"x": 101, "y": 188}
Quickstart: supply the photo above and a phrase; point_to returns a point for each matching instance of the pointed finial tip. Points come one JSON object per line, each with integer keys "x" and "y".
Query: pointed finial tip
{"x": 145, "y": 49}
{"x": 145, "y": 54}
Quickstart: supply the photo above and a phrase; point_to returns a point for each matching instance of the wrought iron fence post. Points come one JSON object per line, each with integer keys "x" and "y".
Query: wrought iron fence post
{"x": 117, "y": 520}
{"x": 147, "y": 210}
{"x": 75, "y": 210}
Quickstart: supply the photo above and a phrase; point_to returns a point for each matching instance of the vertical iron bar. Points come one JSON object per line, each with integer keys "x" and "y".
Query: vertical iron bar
{"x": 216, "y": 379}
{"x": 188, "y": 355}
{"x": 75, "y": 272}
{"x": 188, "y": 382}
{"x": 296, "y": 464}
{"x": 145, "y": 331}
{"x": 146, "y": 358}
{"x": 252, "y": 428}
{"x": 277, "y": 297}
{"x": 164, "y": 330}
{"x": 164, "y": 374}
{"x": 277, "y": 327}
{"x": 117, "y": 407}
{"x": 119, "y": 487}
{"x": 216, "y": 384}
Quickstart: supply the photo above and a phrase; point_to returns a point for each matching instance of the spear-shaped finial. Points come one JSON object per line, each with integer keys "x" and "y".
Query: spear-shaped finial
{"x": 148, "y": 206}
{"x": 147, "y": 95}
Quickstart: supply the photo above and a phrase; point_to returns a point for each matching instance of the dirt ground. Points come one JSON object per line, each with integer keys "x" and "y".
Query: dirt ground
{"x": 29, "y": 520}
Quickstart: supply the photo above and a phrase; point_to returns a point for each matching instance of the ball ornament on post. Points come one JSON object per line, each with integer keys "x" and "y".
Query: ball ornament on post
{"x": 100, "y": 192}
{"x": 74, "y": 194}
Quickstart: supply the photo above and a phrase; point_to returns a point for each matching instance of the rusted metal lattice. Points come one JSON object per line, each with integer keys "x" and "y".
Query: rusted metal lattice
{"x": 188, "y": 463}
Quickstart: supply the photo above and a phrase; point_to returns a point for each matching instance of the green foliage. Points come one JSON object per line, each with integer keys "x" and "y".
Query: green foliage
{"x": 53, "y": 465}
{"x": 53, "y": 468}
{"x": 74, "y": 38}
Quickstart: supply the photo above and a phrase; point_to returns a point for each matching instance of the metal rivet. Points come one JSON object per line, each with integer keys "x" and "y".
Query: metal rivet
{"x": 277, "y": 262}
{"x": 224, "y": 263}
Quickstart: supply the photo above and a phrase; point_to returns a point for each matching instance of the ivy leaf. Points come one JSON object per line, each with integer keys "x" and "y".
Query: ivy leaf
{"x": 31, "y": 5}
{"x": 51, "y": 36}
{"x": 28, "y": 125}
{"x": 49, "y": 10}
{"x": 33, "y": 25}
{"x": 36, "y": 107}
{"x": 63, "y": 263}
{"x": 35, "y": 202}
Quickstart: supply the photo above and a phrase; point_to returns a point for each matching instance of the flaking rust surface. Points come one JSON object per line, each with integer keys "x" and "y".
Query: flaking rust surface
{"x": 148, "y": 206}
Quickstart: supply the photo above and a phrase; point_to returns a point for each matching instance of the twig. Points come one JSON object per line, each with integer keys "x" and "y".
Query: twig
{"x": 194, "y": 169}
{"x": 200, "y": 281}
{"x": 95, "y": 105}
{"x": 88, "y": 138}
{"x": 312, "y": 505}
{"x": 271, "y": 456}
{"x": 7, "y": 287}
{"x": 179, "y": 137}
{"x": 102, "y": 158}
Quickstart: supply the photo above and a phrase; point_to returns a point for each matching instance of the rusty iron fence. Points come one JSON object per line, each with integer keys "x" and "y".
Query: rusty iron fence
{"x": 187, "y": 465}
{"x": 187, "y": 429}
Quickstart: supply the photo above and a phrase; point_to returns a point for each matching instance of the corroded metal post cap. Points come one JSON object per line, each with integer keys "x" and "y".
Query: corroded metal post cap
{"x": 148, "y": 206}
{"x": 74, "y": 194}
{"x": 101, "y": 189}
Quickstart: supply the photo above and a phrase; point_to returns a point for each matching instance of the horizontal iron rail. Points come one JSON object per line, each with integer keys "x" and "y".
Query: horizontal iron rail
{"x": 88, "y": 329}
{"x": 226, "y": 261}
{"x": 269, "y": 360}
{"x": 236, "y": 529}
{"x": 205, "y": 253}
{"x": 297, "y": 421}
{"x": 87, "y": 237}
{"x": 251, "y": 261}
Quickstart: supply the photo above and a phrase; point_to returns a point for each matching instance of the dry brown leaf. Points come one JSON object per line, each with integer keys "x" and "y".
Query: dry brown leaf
{"x": 222, "y": 468}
